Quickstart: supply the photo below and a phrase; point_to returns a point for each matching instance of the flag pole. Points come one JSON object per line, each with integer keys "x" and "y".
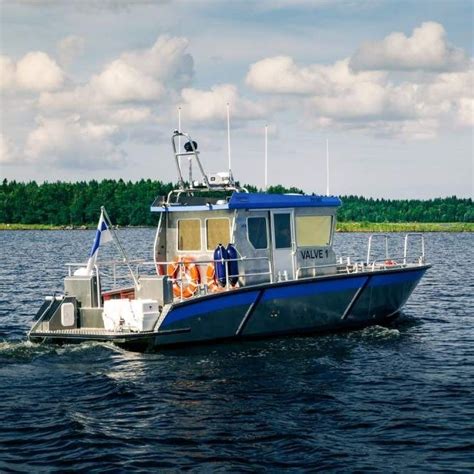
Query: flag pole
{"x": 119, "y": 245}
{"x": 95, "y": 247}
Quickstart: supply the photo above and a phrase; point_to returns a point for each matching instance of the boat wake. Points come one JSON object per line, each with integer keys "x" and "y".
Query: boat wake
{"x": 378, "y": 333}
{"x": 26, "y": 351}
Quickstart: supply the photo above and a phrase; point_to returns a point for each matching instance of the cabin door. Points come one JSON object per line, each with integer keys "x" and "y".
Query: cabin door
{"x": 283, "y": 243}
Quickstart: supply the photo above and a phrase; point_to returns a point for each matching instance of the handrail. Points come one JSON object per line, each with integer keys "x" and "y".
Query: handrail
{"x": 397, "y": 261}
{"x": 405, "y": 249}
{"x": 357, "y": 267}
{"x": 113, "y": 264}
{"x": 143, "y": 266}
{"x": 369, "y": 247}
{"x": 227, "y": 286}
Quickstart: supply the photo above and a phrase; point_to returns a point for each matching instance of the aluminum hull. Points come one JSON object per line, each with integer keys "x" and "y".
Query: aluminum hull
{"x": 306, "y": 306}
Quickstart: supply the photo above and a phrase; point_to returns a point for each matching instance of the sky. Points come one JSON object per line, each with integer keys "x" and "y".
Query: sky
{"x": 90, "y": 89}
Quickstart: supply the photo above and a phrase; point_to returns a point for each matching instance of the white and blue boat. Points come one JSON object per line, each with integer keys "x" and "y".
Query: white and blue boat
{"x": 229, "y": 265}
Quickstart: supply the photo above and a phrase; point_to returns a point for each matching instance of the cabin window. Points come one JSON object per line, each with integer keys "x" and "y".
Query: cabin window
{"x": 257, "y": 232}
{"x": 282, "y": 229}
{"x": 189, "y": 234}
{"x": 313, "y": 231}
{"x": 217, "y": 232}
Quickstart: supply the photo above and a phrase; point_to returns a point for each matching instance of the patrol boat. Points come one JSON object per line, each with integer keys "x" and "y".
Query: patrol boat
{"x": 227, "y": 265}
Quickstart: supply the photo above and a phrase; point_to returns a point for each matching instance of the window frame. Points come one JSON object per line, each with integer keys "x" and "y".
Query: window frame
{"x": 266, "y": 232}
{"x": 291, "y": 228}
{"x": 200, "y": 234}
{"x": 331, "y": 230}
{"x": 205, "y": 231}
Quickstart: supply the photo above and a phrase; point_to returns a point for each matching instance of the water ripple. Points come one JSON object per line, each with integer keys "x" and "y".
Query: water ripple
{"x": 395, "y": 398}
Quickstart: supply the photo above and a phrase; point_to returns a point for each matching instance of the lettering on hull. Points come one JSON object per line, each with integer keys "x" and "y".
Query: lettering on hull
{"x": 314, "y": 254}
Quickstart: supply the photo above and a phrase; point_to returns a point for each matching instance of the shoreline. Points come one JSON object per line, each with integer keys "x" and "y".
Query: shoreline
{"x": 340, "y": 227}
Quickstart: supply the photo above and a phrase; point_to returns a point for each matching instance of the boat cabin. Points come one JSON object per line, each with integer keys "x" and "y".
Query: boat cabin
{"x": 225, "y": 231}
{"x": 277, "y": 237}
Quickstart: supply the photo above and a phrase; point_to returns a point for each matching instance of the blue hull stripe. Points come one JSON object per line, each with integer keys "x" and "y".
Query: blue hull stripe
{"x": 209, "y": 306}
{"x": 229, "y": 300}
{"x": 313, "y": 288}
{"x": 394, "y": 278}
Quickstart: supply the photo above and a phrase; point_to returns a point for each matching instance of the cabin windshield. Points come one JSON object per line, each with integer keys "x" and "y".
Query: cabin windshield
{"x": 282, "y": 227}
{"x": 257, "y": 232}
{"x": 189, "y": 234}
{"x": 313, "y": 231}
{"x": 217, "y": 232}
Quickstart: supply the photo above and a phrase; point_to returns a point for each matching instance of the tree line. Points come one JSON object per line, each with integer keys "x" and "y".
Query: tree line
{"x": 128, "y": 203}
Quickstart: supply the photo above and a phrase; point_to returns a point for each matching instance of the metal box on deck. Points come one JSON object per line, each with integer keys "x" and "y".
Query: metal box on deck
{"x": 84, "y": 288}
{"x": 156, "y": 288}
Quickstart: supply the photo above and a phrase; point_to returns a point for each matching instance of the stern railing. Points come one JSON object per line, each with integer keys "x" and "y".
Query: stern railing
{"x": 111, "y": 271}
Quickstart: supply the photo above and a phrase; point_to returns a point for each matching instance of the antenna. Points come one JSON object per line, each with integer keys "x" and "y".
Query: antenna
{"x": 228, "y": 142}
{"x": 190, "y": 159}
{"x": 179, "y": 139}
{"x": 266, "y": 157}
{"x": 327, "y": 167}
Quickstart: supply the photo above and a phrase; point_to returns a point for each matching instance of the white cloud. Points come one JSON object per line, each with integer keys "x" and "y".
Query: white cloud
{"x": 332, "y": 90}
{"x": 36, "y": 71}
{"x": 465, "y": 113}
{"x": 118, "y": 97}
{"x": 7, "y": 72}
{"x": 420, "y": 129}
{"x": 131, "y": 115}
{"x": 426, "y": 49}
{"x": 379, "y": 102}
{"x": 364, "y": 99}
{"x": 69, "y": 48}
{"x": 8, "y": 152}
{"x": 166, "y": 61}
{"x": 121, "y": 82}
{"x": 208, "y": 105}
{"x": 408, "y": 129}
{"x": 147, "y": 75}
{"x": 73, "y": 143}
{"x": 281, "y": 75}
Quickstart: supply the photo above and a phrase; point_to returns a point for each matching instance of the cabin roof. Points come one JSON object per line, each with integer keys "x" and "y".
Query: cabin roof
{"x": 272, "y": 201}
{"x": 239, "y": 200}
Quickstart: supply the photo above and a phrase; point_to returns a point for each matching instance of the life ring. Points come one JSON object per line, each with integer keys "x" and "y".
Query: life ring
{"x": 160, "y": 269}
{"x": 390, "y": 263}
{"x": 186, "y": 277}
{"x": 211, "y": 280}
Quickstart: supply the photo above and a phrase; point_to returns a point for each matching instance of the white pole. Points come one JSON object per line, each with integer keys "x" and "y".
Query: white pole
{"x": 228, "y": 139}
{"x": 327, "y": 167}
{"x": 266, "y": 157}
{"x": 179, "y": 129}
{"x": 179, "y": 140}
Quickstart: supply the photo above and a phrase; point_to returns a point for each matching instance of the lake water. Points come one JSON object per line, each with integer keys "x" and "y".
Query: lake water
{"x": 391, "y": 399}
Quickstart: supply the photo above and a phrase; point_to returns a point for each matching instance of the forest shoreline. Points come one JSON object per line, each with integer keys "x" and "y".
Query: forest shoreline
{"x": 340, "y": 227}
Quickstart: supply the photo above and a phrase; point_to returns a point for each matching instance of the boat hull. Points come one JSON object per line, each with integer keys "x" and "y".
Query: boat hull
{"x": 295, "y": 307}
{"x": 306, "y": 306}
